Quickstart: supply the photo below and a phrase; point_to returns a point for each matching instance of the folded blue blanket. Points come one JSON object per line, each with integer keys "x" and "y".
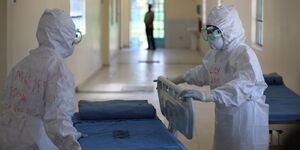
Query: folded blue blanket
{"x": 273, "y": 79}
{"x": 116, "y": 109}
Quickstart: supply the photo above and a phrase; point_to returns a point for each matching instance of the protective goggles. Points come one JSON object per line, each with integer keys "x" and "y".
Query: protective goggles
{"x": 211, "y": 33}
{"x": 77, "y": 38}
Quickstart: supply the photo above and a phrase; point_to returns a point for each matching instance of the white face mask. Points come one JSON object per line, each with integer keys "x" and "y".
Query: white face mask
{"x": 217, "y": 44}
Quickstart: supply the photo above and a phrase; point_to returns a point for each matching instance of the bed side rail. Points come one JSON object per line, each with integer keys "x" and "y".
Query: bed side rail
{"x": 179, "y": 113}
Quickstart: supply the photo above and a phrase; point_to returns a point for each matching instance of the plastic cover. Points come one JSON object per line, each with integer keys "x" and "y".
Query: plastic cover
{"x": 180, "y": 114}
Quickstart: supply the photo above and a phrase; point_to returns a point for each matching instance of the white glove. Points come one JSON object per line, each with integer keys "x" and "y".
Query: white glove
{"x": 196, "y": 95}
{"x": 177, "y": 80}
{"x": 83, "y": 135}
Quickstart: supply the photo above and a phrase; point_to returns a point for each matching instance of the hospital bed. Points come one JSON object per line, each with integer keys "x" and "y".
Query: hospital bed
{"x": 133, "y": 124}
{"x": 284, "y": 106}
{"x": 283, "y": 102}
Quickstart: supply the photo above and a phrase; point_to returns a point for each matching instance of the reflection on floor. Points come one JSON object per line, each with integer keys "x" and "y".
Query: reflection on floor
{"x": 131, "y": 75}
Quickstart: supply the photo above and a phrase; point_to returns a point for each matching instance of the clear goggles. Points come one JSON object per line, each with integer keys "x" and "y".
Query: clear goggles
{"x": 77, "y": 38}
{"x": 211, "y": 33}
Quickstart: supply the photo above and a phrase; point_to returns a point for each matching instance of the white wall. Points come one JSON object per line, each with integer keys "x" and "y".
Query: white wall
{"x": 23, "y": 18}
{"x": 180, "y": 15}
{"x": 86, "y": 59}
{"x": 125, "y": 23}
{"x": 3, "y": 70}
{"x": 110, "y": 28}
{"x": 282, "y": 43}
{"x": 105, "y": 31}
{"x": 114, "y": 28}
{"x": 281, "y": 48}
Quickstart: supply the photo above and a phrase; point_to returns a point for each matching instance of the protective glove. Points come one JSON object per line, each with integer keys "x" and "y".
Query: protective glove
{"x": 84, "y": 135}
{"x": 177, "y": 80}
{"x": 196, "y": 95}
{"x": 81, "y": 135}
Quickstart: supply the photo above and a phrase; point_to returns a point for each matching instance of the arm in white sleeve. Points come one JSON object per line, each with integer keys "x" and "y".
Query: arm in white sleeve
{"x": 59, "y": 107}
{"x": 197, "y": 76}
{"x": 247, "y": 85}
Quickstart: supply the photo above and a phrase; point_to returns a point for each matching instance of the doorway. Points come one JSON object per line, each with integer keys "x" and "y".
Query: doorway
{"x": 139, "y": 8}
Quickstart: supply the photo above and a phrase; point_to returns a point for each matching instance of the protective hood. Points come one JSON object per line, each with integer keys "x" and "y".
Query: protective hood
{"x": 56, "y": 31}
{"x": 226, "y": 18}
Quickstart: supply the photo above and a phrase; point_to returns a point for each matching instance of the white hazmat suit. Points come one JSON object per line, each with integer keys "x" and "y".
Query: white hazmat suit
{"x": 237, "y": 86}
{"x": 39, "y": 98}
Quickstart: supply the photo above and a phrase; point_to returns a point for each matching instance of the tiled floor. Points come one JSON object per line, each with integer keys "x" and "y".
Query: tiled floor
{"x": 131, "y": 75}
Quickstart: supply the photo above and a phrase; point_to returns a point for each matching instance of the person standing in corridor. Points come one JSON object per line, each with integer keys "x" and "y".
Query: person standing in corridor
{"x": 149, "y": 17}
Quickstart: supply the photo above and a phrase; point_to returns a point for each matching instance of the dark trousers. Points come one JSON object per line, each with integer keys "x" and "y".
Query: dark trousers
{"x": 150, "y": 38}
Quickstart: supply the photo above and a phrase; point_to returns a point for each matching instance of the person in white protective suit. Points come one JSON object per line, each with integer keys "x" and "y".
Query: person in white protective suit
{"x": 39, "y": 98}
{"x": 233, "y": 72}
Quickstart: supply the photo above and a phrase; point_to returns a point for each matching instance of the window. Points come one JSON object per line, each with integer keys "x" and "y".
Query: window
{"x": 259, "y": 36}
{"x": 159, "y": 19}
{"x": 77, "y": 13}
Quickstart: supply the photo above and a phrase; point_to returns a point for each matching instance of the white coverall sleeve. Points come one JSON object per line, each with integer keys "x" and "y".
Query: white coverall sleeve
{"x": 197, "y": 76}
{"x": 247, "y": 84}
{"x": 59, "y": 108}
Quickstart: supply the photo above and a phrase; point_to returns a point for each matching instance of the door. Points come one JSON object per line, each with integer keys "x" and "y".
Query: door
{"x": 139, "y": 8}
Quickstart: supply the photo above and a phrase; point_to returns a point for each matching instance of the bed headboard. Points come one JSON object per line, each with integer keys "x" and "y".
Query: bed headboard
{"x": 180, "y": 114}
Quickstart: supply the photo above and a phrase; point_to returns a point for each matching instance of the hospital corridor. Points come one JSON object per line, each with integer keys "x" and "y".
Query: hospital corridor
{"x": 131, "y": 76}
{"x": 149, "y": 75}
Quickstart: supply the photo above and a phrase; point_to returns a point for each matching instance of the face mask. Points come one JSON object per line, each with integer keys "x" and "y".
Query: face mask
{"x": 69, "y": 52}
{"x": 217, "y": 44}
{"x": 75, "y": 41}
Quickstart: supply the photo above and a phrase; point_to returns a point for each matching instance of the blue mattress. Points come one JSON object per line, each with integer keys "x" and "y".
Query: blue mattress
{"x": 280, "y": 92}
{"x": 284, "y": 104}
{"x": 284, "y": 109}
{"x": 125, "y": 134}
